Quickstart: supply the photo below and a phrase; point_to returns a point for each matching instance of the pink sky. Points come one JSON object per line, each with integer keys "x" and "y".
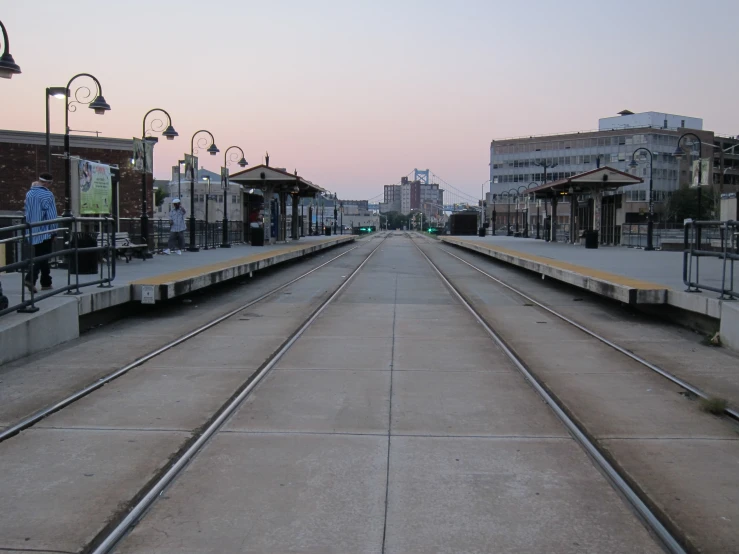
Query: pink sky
{"x": 355, "y": 94}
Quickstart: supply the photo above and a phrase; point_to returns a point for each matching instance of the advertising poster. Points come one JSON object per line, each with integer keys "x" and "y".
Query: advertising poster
{"x": 96, "y": 188}
{"x": 703, "y": 164}
{"x": 224, "y": 178}
{"x": 191, "y": 165}
{"x": 143, "y": 156}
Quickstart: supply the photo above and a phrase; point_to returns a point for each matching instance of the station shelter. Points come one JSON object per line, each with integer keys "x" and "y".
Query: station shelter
{"x": 270, "y": 210}
{"x": 594, "y": 199}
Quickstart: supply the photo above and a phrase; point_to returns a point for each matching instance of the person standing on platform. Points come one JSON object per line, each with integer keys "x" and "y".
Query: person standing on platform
{"x": 178, "y": 228}
{"x": 40, "y": 207}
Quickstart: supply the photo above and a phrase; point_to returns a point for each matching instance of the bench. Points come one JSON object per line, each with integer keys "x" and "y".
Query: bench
{"x": 124, "y": 246}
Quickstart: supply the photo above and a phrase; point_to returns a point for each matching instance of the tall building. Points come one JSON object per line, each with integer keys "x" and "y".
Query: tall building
{"x": 517, "y": 163}
{"x": 391, "y": 200}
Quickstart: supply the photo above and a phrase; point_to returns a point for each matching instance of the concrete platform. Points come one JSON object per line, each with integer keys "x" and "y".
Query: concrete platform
{"x": 627, "y": 275}
{"x": 57, "y": 320}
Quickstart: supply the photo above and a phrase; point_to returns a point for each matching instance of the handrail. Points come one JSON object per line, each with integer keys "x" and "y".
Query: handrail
{"x": 25, "y": 232}
{"x": 725, "y": 248}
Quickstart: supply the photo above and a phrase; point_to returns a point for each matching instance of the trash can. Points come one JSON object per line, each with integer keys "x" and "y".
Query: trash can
{"x": 591, "y": 239}
{"x": 257, "y": 236}
{"x": 481, "y": 231}
{"x": 84, "y": 263}
{"x": 327, "y": 230}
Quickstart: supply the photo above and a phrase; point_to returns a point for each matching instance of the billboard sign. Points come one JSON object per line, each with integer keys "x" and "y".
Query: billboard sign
{"x": 704, "y": 175}
{"x": 191, "y": 167}
{"x": 96, "y": 188}
{"x": 143, "y": 154}
{"x": 224, "y": 178}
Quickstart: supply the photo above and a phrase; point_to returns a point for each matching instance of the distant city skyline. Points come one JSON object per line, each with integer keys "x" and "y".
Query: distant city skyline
{"x": 354, "y": 95}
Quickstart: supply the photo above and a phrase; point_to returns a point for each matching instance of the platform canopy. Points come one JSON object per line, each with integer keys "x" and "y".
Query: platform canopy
{"x": 593, "y": 181}
{"x": 263, "y": 176}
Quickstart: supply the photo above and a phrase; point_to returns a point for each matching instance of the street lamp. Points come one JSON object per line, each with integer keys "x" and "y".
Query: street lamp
{"x": 59, "y": 93}
{"x": 680, "y": 154}
{"x": 170, "y": 134}
{"x": 553, "y": 228}
{"x": 650, "y": 223}
{"x": 526, "y": 211}
{"x": 224, "y": 178}
{"x": 8, "y": 67}
{"x": 494, "y": 214}
{"x": 336, "y": 214}
{"x": 206, "y": 178}
{"x": 533, "y": 184}
{"x": 82, "y": 96}
{"x": 212, "y": 150}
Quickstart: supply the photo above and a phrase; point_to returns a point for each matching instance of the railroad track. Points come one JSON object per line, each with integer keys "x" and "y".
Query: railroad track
{"x": 652, "y": 520}
{"x": 107, "y": 539}
{"x": 729, "y": 411}
{"x": 45, "y": 412}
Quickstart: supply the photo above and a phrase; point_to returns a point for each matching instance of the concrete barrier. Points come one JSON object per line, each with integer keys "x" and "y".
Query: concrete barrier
{"x": 729, "y": 331}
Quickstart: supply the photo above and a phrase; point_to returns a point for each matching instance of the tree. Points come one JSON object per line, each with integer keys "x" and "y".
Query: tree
{"x": 159, "y": 195}
{"x": 683, "y": 204}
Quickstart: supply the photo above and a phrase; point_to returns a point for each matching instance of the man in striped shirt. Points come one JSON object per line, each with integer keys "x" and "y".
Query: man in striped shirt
{"x": 40, "y": 207}
{"x": 177, "y": 230}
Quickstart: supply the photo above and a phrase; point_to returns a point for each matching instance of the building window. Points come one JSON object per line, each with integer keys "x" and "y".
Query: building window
{"x": 682, "y": 123}
{"x": 665, "y": 124}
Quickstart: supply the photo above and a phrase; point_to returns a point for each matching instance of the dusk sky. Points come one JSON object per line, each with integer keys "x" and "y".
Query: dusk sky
{"x": 355, "y": 94}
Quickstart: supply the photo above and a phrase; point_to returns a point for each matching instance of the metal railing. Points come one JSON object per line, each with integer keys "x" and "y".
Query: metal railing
{"x": 76, "y": 232}
{"x": 711, "y": 239}
{"x": 206, "y": 237}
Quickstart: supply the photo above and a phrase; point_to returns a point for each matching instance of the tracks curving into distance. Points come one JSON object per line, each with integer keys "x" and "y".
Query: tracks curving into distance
{"x": 669, "y": 542}
{"x": 109, "y": 538}
{"x": 734, "y": 414}
{"x": 34, "y": 418}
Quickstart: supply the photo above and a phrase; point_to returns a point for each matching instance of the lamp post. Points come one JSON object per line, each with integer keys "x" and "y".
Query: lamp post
{"x": 99, "y": 105}
{"x": 179, "y": 178}
{"x": 553, "y": 229}
{"x": 680, "y": 153}
{"x": 59, "y": 93}
{"x": 526, "y": 211}
{"x": 207, "y": 197}
{"x": 341, "y": 211}
{"x": 170, "y": 134}
{"x": 336, "y": 215}
{"x": 224, "y": 178}
{"x": 494, "y": 214}
{"x": 650, "y": 221}
{"x": 533, "y": 184}
{"x": 8, "y": 67}
{"x": 212, "y": 150}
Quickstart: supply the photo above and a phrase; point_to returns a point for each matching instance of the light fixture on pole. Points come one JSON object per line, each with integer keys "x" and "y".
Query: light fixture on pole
{"x": 98, "y": 105}
{"x": 680, "y": 154}
{"x": 8, "y": 67}
{"x": 59, "y": 93}
{"x": 206, "y": 178}
{"x": 224, "y": 184}
{"x": 650, "y": 221}
{"x": 170, "y": 134}
{"x": 212, "y": 150}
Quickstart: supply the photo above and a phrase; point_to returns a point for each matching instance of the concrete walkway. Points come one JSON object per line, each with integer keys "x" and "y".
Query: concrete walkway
{"x": 168, "y": 276}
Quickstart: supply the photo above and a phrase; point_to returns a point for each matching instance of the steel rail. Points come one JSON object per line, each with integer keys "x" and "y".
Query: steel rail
{"x": 34, "y": 418}
{"x": 157, "y": 487}
{"x": 663, "y": 372}
{"x": 653, "y": 522}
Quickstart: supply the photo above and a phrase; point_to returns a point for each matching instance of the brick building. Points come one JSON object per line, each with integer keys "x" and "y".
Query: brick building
{"x": 23, "y": 157}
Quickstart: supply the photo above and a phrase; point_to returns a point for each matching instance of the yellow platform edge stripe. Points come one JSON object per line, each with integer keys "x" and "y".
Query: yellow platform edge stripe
{"x": 201, "y": 270}
{"x": 579, "y": 269}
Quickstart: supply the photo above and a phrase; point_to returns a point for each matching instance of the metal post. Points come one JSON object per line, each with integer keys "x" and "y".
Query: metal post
{"x": 538, "y": 236}
{"x": 508, "y": 219}
{"x": 207, "y": 196}
{"x": 48, "y": 133}
{"x": 225, "y": 243}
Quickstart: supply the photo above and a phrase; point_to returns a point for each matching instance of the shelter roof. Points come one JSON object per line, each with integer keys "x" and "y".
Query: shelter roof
{"x": 596, "y": 180}
{"x": 262, "y": 176}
